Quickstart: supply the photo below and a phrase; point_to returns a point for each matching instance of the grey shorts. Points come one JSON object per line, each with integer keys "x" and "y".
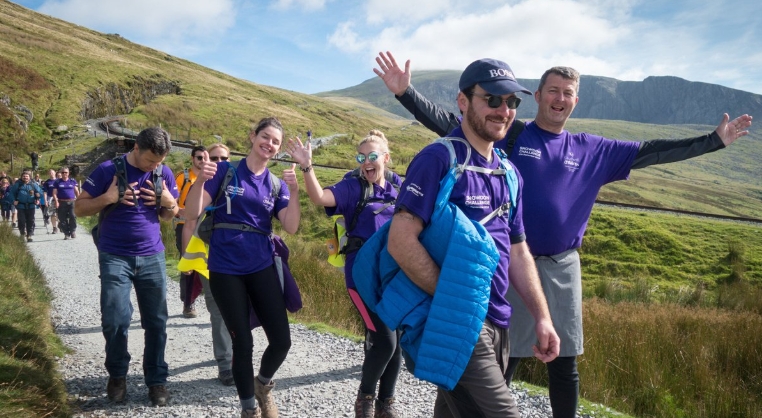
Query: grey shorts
{"x": 561, "y": 280}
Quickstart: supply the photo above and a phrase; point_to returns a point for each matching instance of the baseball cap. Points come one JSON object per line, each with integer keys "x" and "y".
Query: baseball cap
{"x": 493, "y": 76}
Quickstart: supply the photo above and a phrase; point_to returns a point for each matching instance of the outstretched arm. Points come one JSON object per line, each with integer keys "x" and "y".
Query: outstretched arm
{"x": 662, "y": 151}
{"x": 431, "y": 115}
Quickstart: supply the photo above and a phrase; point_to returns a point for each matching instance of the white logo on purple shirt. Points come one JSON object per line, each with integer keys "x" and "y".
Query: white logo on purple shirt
{"x": 530, "y": 152}
{"x": 415, "y": 189}
{"x": 571, "y": 163}
{"x": 478, "y": 202}
{"x": 233, "y": 190}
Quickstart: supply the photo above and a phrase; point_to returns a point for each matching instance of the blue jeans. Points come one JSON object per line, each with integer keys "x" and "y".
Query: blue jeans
{"x": 148, "y": 275}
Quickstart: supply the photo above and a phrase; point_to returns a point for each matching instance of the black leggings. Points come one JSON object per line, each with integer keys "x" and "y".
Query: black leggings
{"x": 383, "y": 358}
{"x": 233, "y": 293}
{"x": 563, "y": 384}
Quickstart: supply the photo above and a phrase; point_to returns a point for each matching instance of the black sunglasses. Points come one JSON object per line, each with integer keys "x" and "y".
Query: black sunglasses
{"x": 494, "y": 102}
{"x": 200, "y": 157}
{"x": 219, "y": 158}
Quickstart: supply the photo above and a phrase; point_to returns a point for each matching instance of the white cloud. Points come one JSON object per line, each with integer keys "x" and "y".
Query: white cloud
{"x": 346, "y": 39}
{"x": 308, "y": 5}
{"x": 405, "y": 12}
{"x": 531, "y": 36}
{"x": 165, "y": 24}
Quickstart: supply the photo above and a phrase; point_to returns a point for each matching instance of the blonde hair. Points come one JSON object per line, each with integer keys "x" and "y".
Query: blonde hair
{"x": 377, "y": 137}
{"x": 218, "y": 145}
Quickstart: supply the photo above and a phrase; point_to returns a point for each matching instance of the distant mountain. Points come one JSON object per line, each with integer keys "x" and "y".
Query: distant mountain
{"x": 660, "y": 100}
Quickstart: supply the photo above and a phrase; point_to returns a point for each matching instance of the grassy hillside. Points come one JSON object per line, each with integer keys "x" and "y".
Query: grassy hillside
{"x": 53, "y": 68}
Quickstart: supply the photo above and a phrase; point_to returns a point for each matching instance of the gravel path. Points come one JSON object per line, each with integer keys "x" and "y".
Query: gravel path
{"x": 319, "y": 378}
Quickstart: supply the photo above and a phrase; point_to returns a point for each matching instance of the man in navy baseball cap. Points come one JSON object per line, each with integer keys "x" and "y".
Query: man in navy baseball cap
{"x": 494, "y": 76}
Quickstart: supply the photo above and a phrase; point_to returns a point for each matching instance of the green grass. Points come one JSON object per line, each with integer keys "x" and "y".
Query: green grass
{"x": 29, "y": 383}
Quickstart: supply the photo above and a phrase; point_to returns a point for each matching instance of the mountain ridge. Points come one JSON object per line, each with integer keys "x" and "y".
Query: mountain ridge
{"x": 656, "y": 99}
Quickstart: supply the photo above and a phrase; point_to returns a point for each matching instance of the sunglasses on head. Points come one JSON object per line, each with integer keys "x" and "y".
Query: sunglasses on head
{"x": 372, "y": 156}
{"x": 215, "y": 159}
{"x": 496, "y": 101}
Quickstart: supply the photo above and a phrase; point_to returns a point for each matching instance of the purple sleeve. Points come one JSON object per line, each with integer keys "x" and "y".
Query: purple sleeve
{"x": 99, "y": 180}
{"x": 418, "y": 193}
{"x": 284, "y": 196}
{"x": 169, "y": 181}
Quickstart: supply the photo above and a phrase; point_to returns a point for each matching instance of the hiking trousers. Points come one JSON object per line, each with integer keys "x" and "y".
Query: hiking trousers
{"x": 26, "y": 221}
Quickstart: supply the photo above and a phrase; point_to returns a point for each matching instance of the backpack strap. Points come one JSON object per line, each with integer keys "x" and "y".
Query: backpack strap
{"x": 229, "y": 176}
{"x": 158, "y": 182}
{"x": 517, "y": 127}
{"x": 505, "y": 170}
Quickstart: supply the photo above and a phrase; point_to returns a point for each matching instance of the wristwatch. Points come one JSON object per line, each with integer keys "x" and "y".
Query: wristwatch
{"x": 306, "y": 169}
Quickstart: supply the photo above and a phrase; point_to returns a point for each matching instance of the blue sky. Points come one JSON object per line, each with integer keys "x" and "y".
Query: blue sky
{"x": 311, "y": 46}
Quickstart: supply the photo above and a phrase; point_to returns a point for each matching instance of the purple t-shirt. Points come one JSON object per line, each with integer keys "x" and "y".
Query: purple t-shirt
{"x": 477, "y": 195}
{"x": 251, "y": 203}
{"x": 128, "y": 230}
{"x": 563, "y": 174}
{"x": 65, "y": 188}
{"x": 48, "y": 185}
{"x": 348, "y": 193}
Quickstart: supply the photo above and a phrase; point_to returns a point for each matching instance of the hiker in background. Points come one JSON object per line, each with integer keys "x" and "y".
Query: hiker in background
{"x": 65, "y": 192}
{"x": 48, "y": 186}
{"x": 218, "y": 152}
{"x": 6, "y": 200}
{"x": 564, "y": 173}
{"x": 190, "y": 283}
{"x": 366, "y": 201}
{"x": 221, "y": 343}
{"x": 131, "y": 253}
{"x": 26, "y": 196}
{"x": 241, "y": 269}
{"x": 43, "y": 199}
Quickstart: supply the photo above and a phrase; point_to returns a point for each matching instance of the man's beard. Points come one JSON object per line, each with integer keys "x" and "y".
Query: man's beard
{"x": 480, "y": 126}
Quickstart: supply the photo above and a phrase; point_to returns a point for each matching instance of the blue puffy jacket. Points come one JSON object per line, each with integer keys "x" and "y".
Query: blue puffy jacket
{"x": 26, "y": 194}
{"x": 438, "y": 333}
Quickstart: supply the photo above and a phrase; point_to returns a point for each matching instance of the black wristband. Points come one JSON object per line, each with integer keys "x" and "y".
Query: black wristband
{"x": 306, "y": 169}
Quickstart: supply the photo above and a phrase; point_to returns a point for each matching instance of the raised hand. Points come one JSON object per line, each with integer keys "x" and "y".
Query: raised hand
{"x": 299, "y": 152}
{"x": 396, "y": 80}
{"x": 730, "y": 131}
{"x": 208, "y": 168}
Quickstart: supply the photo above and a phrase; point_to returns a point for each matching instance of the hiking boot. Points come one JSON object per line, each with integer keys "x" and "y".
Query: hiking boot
{"x": 189, "y": 311}
{"x": 264, "y": 396}
{"x": 73, "y": 235}
{"x": 386, "y": 409}
{"x": 116, "y": 389}
{"x": 251, "y": 413}
{"x": 66, "y": 237}
{"x": 13, "y": 224}
{"x": 28, "y": 239}
{"x": 158, "y": 395}
{"x": 364, "y": 405}
{"x": 226, "y": 377}
{"x": 55, "y": 230}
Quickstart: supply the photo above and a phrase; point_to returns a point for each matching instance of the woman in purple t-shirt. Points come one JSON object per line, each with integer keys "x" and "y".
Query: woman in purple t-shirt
{"x": 383, "y": 358}
{"x": 241, "y": 269}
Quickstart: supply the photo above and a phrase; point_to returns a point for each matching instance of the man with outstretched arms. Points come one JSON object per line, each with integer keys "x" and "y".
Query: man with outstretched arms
{"x": 563, "y": 172}
{"x": 482, "y": 389}
{"x": 131, "y": 253}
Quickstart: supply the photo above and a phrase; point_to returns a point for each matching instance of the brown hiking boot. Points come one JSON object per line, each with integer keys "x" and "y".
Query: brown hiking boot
{"x": 264, "y": 396}
{"x": 386, "y": 409}
{"x": 251, "y": 413}
{"x": 116, "y": 389}
{"x": 158, "y": 395}
{"x": 364, "y": 405}
{"x": 189, "y": 311}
